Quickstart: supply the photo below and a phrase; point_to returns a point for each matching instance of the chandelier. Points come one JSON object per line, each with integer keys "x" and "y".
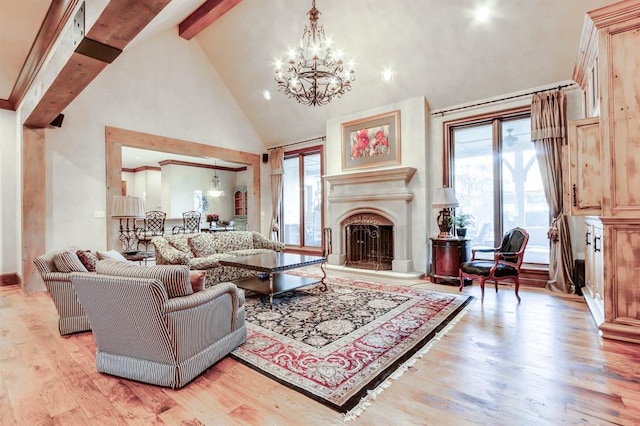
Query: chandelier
{"x": 315, "y": 73}
{"x": 216, "y": 185}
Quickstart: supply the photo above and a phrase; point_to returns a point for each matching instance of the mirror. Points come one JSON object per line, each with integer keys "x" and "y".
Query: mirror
{"x": 175, "y": 183}
{"x": 116, "y": 139}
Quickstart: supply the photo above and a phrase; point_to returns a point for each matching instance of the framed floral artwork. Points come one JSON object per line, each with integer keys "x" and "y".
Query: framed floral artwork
{"x": 371, "y": 142}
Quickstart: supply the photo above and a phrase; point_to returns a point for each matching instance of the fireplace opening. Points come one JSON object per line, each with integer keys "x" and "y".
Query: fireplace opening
{"x": 369, "y": 242}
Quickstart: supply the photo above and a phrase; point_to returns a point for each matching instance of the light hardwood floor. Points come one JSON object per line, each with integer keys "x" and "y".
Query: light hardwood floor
{"x": 537, "y": 363}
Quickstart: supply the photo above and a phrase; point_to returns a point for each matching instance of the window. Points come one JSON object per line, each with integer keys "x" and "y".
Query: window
{"x": 301, "y": 211}
{"x": 492, "y": 164}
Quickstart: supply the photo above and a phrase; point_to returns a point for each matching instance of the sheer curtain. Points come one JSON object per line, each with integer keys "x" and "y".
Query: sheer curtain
{"x": 548, "y": 132}
{"x": 276, "y": 161}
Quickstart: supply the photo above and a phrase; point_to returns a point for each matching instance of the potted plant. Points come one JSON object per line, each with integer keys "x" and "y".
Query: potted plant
{"x": 461, "y": 222}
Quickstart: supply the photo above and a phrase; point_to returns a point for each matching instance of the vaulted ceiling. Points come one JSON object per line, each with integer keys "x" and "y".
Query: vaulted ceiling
{"x": 435, "y": 48}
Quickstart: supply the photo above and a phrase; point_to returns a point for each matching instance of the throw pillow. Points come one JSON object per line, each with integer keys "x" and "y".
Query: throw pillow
{"x": 197, "y": 279}
{"x": 174, "y": 277}
{"x": 88, "y": 259}
{"x": 180, "y": 242}
{"x": 202, "y": 245}
{"x": 111, "y": 254}
{"x": 67, "y": 261}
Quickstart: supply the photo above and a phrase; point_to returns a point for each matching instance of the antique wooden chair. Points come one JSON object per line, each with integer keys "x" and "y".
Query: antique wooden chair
{"x": 505, "y": 265}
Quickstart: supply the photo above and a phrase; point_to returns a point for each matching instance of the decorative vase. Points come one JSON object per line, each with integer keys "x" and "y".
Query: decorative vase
{"x": 461, "y": 232}
{"x": 212, "y": 225}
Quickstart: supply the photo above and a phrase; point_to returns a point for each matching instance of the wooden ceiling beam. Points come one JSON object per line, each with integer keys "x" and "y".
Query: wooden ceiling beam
{"x": 84, "y": 56}
{"x": 122, "y": 20}
{"x": 204, "y": 16}
{"x": 77, "y": 73}
{"x": 58, "y": 14}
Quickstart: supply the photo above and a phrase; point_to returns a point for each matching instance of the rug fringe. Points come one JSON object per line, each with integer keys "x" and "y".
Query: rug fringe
{"x": 373, "y": 394}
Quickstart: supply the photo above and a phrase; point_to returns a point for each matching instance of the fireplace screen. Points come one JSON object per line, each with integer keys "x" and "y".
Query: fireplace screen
{"x": 369, "y": 242}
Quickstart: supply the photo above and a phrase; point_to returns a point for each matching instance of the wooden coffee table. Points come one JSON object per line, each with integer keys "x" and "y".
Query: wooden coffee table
{"x": 274, "y": 264}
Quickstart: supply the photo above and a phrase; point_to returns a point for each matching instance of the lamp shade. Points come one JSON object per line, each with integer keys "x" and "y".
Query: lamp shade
{"x": 444, "y": 198}
{"x": 132, "y": 207}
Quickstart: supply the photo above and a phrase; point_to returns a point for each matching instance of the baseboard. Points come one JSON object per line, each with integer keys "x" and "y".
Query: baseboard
{"x": 374, "y": 273}
{"x": 9, "y": 279}
{"x": 534, "y": 277}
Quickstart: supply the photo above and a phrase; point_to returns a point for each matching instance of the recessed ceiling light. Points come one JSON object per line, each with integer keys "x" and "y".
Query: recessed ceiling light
{"x": 387, "y": 75}
{"x": 266, "y": 94}
{"x": 482, "y": 14}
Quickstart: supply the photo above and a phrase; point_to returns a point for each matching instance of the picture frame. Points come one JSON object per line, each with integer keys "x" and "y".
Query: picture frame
{"x": 371, "y": 142}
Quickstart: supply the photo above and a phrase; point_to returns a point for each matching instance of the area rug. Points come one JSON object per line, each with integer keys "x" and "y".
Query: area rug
{"x": 341, "y": 346}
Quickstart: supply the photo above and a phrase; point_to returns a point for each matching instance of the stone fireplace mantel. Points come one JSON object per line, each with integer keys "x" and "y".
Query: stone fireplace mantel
{"x": 384, "y": 192}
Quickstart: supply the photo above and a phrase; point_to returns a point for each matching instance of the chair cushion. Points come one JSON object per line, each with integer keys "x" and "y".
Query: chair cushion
{"x": 68, "y": 261}
{"x": 88, "y": 259}
{"x": 482, "y": 268}
{"x": 174, "y": 277}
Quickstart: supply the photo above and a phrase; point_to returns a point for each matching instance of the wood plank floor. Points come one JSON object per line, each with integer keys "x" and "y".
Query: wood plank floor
{"x": 537, "y": 363}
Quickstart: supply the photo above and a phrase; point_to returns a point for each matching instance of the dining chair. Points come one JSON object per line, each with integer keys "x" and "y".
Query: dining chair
{"x": 153, "y": 227}
{"x": 190, "y": 223}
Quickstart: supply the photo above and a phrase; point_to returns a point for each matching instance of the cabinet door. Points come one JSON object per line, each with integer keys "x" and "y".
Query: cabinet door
{"x": 238, "y": 203}
{"x": 598, "y": 265}
{"x": 594, "y": 275}
{"x": 621, "y": 172}
{"x": 584, "y": 189}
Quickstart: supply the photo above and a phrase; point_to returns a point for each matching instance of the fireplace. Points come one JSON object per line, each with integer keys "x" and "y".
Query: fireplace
{"x": 369, "y": 214}
{"x": 368, "y": 242}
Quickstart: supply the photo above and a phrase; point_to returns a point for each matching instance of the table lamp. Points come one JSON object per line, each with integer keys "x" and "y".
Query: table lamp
{"x": 445, "y": 199}
{"x": 128, "y": 209}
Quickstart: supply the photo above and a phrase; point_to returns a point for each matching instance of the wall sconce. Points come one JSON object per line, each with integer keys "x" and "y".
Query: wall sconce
{"x": 445, "y": 199}
{"x": 128, "y": 209}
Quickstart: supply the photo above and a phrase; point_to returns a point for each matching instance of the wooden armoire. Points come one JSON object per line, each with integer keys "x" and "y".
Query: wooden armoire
{"x": 603, "y": 166}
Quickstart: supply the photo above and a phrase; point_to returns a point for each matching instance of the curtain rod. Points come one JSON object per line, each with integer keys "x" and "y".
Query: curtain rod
{"x": 443, "y": 112}
{"x": 322, "y": 138}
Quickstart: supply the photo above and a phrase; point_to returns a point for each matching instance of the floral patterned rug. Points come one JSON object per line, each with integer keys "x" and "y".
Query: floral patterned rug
{"x": 340, "y": 346}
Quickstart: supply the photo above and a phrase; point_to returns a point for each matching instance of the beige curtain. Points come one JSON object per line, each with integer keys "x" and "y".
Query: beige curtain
{"x": 548, "y": 132}
{"x": 276, "y": 161}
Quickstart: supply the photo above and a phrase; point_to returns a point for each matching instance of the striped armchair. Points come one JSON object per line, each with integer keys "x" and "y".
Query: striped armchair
{"x": 72, "y": 318}
{"x": 142, "y": 334}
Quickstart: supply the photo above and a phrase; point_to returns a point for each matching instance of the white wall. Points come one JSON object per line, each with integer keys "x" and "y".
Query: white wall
{"x": 436, "y": 146}
{"x": 130, "y": 179}
{"x": 413, "y": 152}
{"x": 145, "y": 184}
{"x": 164, "y": 86}
{"x": 179, "y": 183}
{"x": 10, "y": 179}
{"x": 153, "y": 183}
{"x": 422, "y": 143}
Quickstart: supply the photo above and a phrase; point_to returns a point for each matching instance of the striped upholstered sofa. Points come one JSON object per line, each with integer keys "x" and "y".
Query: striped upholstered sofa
{"x": 204, "y": 252}
{"x": 149, "y": 326}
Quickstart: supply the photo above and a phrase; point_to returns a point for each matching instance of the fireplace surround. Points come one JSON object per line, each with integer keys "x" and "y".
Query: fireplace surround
{"x": 383, "y": 194}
